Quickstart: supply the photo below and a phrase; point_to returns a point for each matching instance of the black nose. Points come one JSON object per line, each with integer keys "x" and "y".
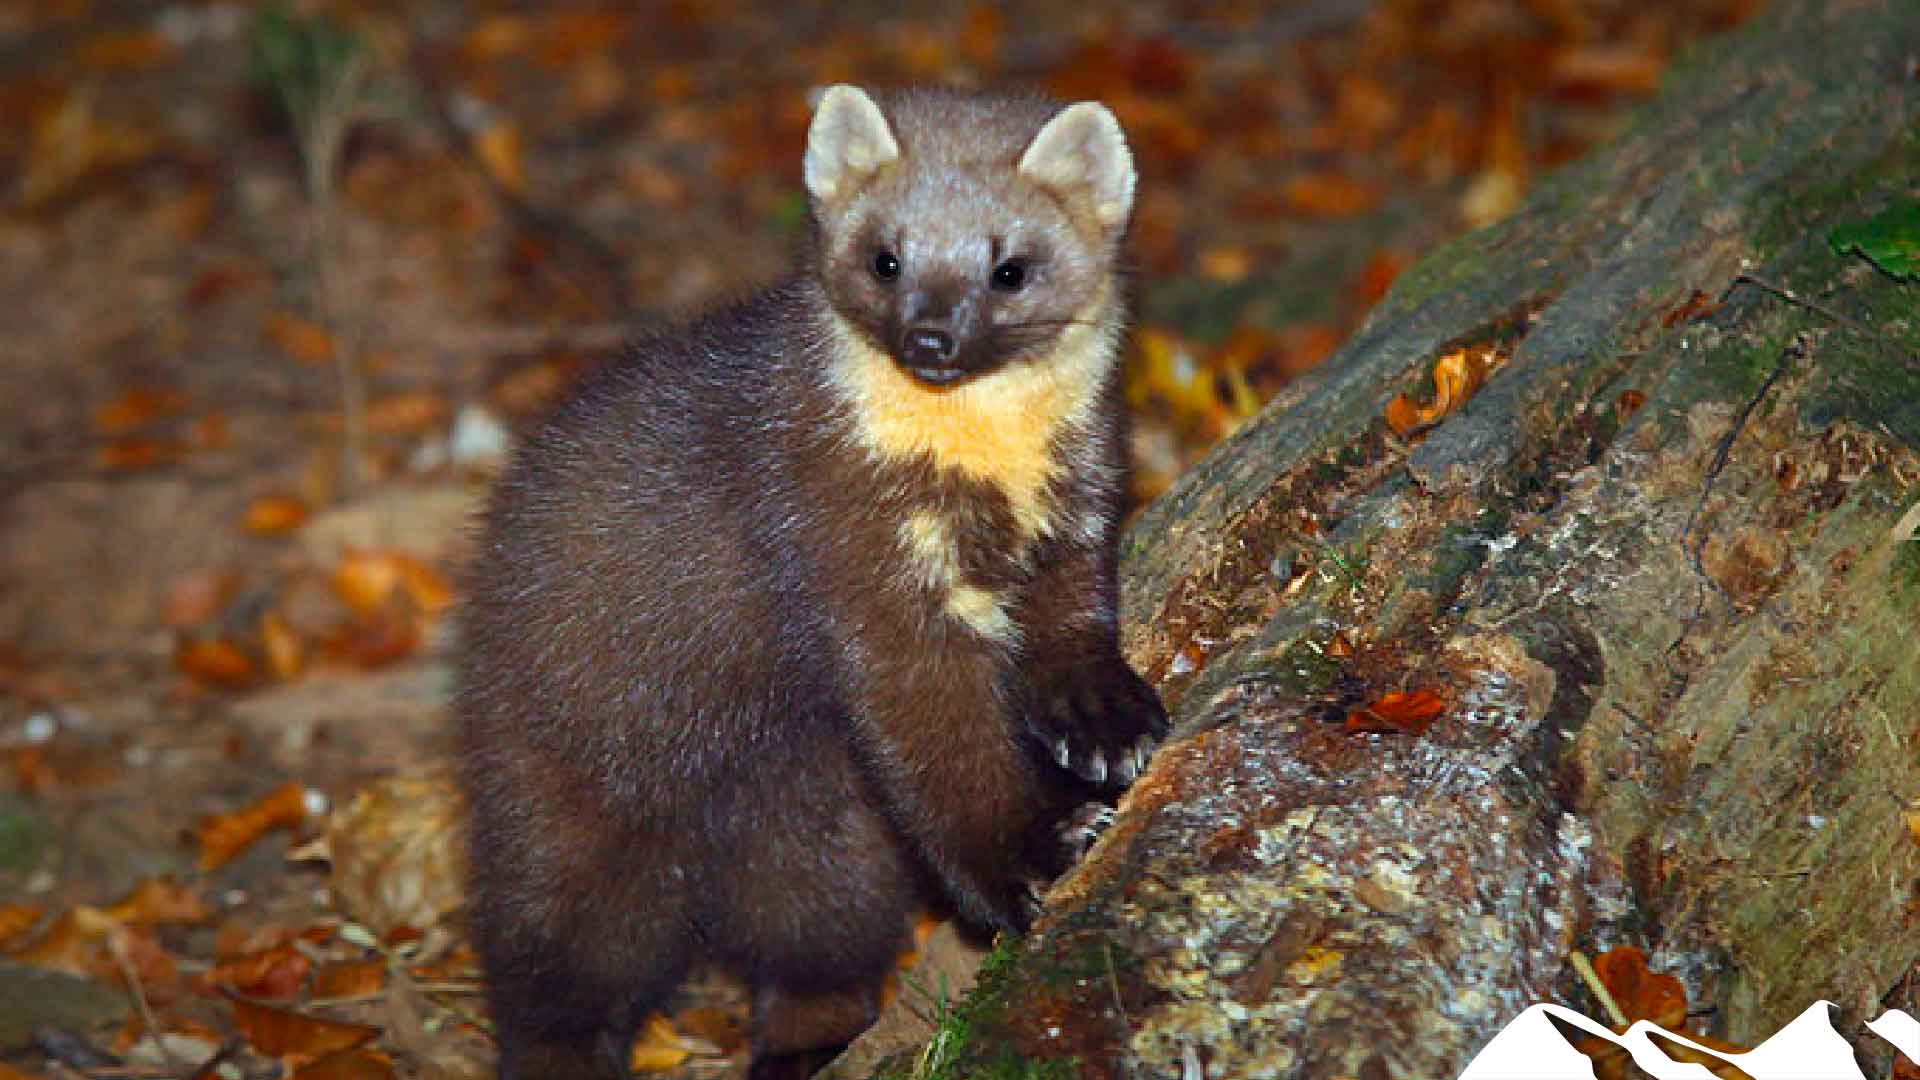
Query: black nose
{"x": 927, "y": 346}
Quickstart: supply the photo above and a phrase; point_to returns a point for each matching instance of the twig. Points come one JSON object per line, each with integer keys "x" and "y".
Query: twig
{"x": 117, "y": 945}
{"x": 1817, "y": 308}
{"x": 1599, "y": 989}
{"x": 1795, "y": 349}
{"x": 1113, "y": 984}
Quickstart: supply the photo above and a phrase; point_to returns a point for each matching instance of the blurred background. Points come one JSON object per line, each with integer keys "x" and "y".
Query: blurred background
{"x": 278, "y": 283}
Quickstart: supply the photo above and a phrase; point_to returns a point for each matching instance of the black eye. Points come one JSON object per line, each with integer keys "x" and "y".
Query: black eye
{"x": 885, "y": 266}
{"x": 1009, "y": 276}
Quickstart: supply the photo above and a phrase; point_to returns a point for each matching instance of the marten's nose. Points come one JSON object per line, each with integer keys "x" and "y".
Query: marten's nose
{"x": 927, "y": 346}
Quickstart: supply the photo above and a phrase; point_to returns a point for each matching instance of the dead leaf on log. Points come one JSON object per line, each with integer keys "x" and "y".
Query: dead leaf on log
{"x": 1457, "y": 376}
{"x": 1409, "y": 713}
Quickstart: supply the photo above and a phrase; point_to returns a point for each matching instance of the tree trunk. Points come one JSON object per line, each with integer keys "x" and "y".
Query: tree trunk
{"x": 1661, "y": 572}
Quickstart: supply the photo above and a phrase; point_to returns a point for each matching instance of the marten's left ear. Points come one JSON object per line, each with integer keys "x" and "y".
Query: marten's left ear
{"x": 1082, "y": 155}
{"x": 848, "y": 142}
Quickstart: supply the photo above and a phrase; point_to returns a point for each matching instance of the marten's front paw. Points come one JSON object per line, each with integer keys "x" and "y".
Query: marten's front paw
{"x": 1099, "y": 721}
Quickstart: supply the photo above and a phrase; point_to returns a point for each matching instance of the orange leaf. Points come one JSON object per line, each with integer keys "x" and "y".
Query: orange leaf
{"x": 136, "y": 454}
{"x": 196, "y": 597}
{"x": 300, "y": 338}
{"x": 1640, "y": 993}
{"x": 275, "y": 973}
{"x": 16, "y": 920}
{"x": 286, "y": 652}
{"x": 350, "y": 979}
{"x": 217, "y": 663}
{"x": 136, "y": 407}
{"x": 658, "y": 1047}
{"x": 498, "y": 148}
{"x": 125, "y": 51}
{"x": 409, "y": 412}
{"x": 160, "y": 901}
{"x": 1406, "y": 713}
{"x": 292, "y": 1036}
{"x": 365, "y": 579}
{"x": 1456, "y": 377}
{"x": 223, "y": 836}
{"x": 1328, "y": 195}
{"x": 274, "y": 515}
{"x": 357, "y": 1064}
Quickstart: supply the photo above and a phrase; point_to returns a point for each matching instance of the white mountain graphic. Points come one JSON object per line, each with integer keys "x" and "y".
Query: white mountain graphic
{"x": 1531, "y": 1048}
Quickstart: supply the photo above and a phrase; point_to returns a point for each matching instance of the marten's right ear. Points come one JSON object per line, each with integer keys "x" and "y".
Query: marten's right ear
{"x": 848, "y": 142}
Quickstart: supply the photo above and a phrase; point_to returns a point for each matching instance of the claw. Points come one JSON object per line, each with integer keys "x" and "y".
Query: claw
{"x": 1097, "y": 768}
{"x": 1142, "y": 753}
{"x": 1127, "y": 768}
{"x": 1060, "y": 753}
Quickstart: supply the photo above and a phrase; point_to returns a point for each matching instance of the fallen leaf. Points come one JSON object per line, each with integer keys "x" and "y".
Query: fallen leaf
{"x": 498, "y": 148}
{"x": 195, "y": 598}
{"x": 1404, "y": 713}
{"x": 161, "y": 901}
{"x": 300, "y": 338}
{"x": 285, "y": 652}
{"x": 137, "y": 407}
{"x": 70, "y": 145}
{"x": 274, "y": 974}
{"x": 396, "y": 851}
{"x": 410, "y": 412}
{"x": 274, "y": 515}
{"x": 1456, "y": 377}
{"x": 1890, "y": 240}
{"x": 350, "y": 979}
{"x": 1328, "y": 194}
{"x": 357, "y": 1064}
{"x": 216, "y": 663}
{"x": 16, "y": 920}
{"x": 658, "y": 1047}
{"x": 294, "y": 1037}
{"x": 1641, "y": 993}
{"x": 224, "y": 836}
{"x": 123, "y": 51}
{"x": 137, "y": 454}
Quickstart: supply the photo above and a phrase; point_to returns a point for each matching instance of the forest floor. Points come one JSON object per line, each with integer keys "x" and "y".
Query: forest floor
{"x": 223, "y": 586}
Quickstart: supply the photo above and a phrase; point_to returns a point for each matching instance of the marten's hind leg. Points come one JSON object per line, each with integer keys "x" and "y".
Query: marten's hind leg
{"x": 794, "y": 1036}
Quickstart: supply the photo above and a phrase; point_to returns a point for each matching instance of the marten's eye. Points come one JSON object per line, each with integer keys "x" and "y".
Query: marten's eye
{"x": 1010, "y": 276}
{"x": 886, "y": 266}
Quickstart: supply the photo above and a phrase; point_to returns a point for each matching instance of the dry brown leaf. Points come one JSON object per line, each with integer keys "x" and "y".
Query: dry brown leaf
{"x": 137, "y": 407}
{"x": 365, "y": 580}
{"x": 137, "y": 454}
{"x": 224, "y": 836}
{"x": 122, "y": 51}
{"x": 498, "y": 148}
{"x": 409, "y": 412}
{"x": 293, "y": 1037}
{"x": 396, "y": 853}
{"x": 1640, "y": 993}
{"x": 357, "y": 1064}
{"x": 274, "y": 974}
{"x": 161, "y": 901}
{"x": 1327, "y": 194}
{"x": 350, "y": 979}
{"x": 216, "y": 663}
{"x": 195, "y": 598}
{"x": 1408, "y": 713}
{"x": 1456, "y": 377}
{"x": 71, "y": 145}
{"x": 16, "y": 920}
{"x": 300, "y": 338}
{"x": 658, "y": 1047}
{"x": 285, "y": 651}
{"x": 373, "y": 641}
{"x": 274, "y": 515}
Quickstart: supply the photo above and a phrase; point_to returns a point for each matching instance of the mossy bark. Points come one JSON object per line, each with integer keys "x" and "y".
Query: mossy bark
{"x": 1663, "y": 569}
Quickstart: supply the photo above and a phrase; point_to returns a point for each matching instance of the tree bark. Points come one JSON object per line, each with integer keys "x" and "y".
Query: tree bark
{"x": 1662, "y": 570}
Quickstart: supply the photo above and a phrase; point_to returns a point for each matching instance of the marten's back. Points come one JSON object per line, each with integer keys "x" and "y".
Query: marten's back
{"x": 631, "y": 625}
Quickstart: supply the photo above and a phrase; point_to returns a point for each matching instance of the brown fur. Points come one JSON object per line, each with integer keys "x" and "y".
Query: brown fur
{"x": 772, "y": 643}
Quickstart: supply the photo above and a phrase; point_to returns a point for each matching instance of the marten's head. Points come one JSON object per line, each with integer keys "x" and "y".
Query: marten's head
{"x": 960, "y": 234}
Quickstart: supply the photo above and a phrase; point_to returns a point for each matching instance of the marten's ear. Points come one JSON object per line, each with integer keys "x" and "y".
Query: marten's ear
{"x": 1082, "y": 155}
{"x": 848, "y": 142}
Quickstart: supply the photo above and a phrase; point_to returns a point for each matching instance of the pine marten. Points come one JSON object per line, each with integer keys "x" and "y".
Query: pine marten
{"x": 801, "y": 618}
